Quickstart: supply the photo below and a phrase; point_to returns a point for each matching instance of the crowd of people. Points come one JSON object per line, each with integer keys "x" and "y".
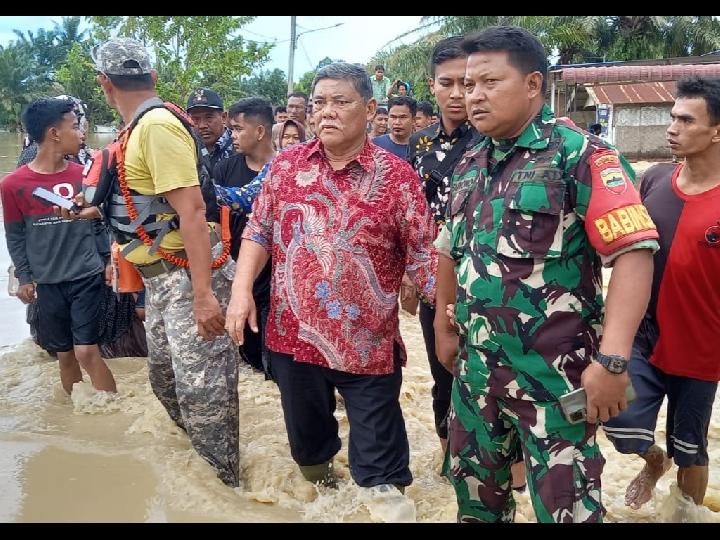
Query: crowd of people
{"x": 284, "y": 236}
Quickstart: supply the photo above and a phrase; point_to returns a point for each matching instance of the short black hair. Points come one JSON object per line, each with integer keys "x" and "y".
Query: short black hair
{"x": 299, "y": 94}
{"x": 444, "y": 50}
{"x": 44, "y": 113}
{"x": 525, "y": 51}
{"x": 707, "y": 89}
{"x": 425, "y": 107}
{"x": 280, "y": 108}
{"x": 595, "y": 129}
{"x": 379, "y": 66}
{"x": 257, "y": 108}
{"x": 403, "y": 83}
{"x": 400, "y": 101}
{"x": 381, "y": 110}
{"x": 132, "y": 83}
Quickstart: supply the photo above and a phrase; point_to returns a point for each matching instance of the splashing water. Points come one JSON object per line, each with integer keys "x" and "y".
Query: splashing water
{"x": 85, "y": 444}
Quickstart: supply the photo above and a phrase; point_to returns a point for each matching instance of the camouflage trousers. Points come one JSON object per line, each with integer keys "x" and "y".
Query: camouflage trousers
{"x": 563, "y": 460}
{"x": 195, "y": 380}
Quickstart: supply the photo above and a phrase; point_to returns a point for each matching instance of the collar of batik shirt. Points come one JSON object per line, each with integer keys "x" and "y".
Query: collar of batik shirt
{"x": 365, "y": 159}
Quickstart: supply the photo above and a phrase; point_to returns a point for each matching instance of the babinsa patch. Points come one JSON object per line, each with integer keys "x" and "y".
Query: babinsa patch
{"x": 606, "y": 166}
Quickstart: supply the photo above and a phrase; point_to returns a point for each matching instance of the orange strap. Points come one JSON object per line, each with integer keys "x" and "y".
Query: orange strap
{"x": 142, "y": 233}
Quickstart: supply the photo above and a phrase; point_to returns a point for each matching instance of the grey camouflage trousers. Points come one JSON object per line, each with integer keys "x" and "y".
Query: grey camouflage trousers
{"x": 195, "y": 380}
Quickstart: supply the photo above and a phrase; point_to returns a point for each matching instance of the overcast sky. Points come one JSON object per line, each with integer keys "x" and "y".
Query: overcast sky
{"x": 355, "y": 40}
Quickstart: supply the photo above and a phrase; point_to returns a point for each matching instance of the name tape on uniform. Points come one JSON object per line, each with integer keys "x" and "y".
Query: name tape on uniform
{"x": 623, "y": 221}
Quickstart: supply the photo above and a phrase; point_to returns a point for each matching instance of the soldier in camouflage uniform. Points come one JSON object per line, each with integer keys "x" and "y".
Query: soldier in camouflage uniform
{"x": 535, "y": 209}
{"x": 192, "y": 364}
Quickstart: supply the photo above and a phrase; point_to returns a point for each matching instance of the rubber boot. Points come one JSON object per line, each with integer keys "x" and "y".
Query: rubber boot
{"x": 322, "y": 474}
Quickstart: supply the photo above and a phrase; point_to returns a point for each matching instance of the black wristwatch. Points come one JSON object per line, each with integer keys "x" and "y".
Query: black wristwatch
{"x": 614, "y": 363}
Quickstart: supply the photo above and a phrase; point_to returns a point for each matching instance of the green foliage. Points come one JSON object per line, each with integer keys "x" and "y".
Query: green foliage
{"x": 409, "y": 63}
{"x": 268, "y": 84}
{"x": 77, "y": 75}
{"x": 29, "y": 66}
{"x": 305, "y": 82}
{"x": 187, "y": 52}
{"x": 575, "y": 39}
{"x": 21, "y": 83}
{"x": 191, "y": 51}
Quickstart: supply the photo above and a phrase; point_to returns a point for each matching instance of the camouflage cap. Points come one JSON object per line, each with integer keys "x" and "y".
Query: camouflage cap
{"x": 121, "y": 56}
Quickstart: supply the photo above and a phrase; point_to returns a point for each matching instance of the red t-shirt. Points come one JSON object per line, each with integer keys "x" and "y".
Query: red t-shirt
{"x": 686, "y": 281}
{"x": 46, "y": 248}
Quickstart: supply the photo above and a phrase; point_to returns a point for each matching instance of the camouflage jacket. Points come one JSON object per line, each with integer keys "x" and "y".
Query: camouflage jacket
{"x": 530, "y": 223}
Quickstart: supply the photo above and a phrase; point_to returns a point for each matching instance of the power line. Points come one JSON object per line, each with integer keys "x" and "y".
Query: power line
{"x": 427, "y": 25}
{"x": 260, "y": 35}
{"x": 318, "y": 29}
{"x": 307, "y": 57}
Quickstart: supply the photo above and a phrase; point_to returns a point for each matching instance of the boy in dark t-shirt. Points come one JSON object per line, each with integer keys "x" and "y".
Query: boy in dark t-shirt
{"x": 58, "y": 261}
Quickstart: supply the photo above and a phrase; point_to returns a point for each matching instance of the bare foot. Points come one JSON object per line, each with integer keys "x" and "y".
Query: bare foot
{"x": 641, "y": 487}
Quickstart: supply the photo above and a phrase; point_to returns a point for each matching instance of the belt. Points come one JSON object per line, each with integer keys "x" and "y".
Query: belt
{"x": 159, "y": 267}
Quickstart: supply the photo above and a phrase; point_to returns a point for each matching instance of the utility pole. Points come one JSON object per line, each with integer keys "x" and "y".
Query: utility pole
{"x": 293, "y": 44}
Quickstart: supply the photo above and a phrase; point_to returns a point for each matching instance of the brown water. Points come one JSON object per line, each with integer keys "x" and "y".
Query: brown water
{"x": 98, "y": 458}
{"x": 11, "y": 143}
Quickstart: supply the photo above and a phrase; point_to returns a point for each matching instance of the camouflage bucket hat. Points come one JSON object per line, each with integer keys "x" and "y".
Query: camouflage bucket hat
{"x": 121, "y": 56}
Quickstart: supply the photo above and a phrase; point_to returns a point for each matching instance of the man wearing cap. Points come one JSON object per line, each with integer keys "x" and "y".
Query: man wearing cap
{"x": 207, "y": 112}
{"x": 192, "y": 364}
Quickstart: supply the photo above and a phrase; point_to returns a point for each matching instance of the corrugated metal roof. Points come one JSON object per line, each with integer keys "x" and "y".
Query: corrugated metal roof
{"x": 636, "y": 74}
{"x": 622, "y": 94}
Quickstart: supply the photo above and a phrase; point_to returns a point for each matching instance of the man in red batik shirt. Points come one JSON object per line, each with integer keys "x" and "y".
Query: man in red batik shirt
{"x": 343, "y": 220}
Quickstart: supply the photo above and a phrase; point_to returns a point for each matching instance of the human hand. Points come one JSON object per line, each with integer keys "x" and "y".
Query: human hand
{"x": 208, "y": 316}
{"x": 605, "y": 392}
{"x": 450, "y": 312}
{"x": 241, "y": 309}
{"x": 26, "y": 293}
{"x": 83, "y": 211}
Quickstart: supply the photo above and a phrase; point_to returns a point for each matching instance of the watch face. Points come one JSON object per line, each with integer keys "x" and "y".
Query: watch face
{"x": 616, "y": 365}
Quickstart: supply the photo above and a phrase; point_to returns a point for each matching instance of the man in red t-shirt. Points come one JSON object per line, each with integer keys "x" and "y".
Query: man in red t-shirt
{"x": 675, "y": 349}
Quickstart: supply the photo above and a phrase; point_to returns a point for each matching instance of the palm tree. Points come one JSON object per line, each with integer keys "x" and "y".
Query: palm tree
{"x": 691, "y": 35}
{"x": 18, "y": 82}
{"x": 41, "y": 48}
{"x": 573, "y": 39}
{"x": 66, "y": 34}
{"x": 411, "y": 62}
{"x": 637, "y": 37}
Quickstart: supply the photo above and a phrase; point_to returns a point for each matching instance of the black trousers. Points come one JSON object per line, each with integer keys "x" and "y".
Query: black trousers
{"x": 254, "y": 351}
{"x": 378, "y": 449}
{"x": 442, "y": 377}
